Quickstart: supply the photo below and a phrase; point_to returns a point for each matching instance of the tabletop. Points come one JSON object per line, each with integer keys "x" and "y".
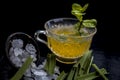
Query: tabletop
{"x": 102, "y": 59}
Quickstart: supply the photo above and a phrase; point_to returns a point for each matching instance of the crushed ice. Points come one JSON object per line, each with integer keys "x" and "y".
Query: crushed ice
{"x": 38, "y": 73}
{"x": 19, "y": 53}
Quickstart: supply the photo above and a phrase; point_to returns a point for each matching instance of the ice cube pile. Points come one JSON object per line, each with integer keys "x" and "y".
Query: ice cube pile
{"x": 38, "y": 73}
{"x": 19, "y": 52}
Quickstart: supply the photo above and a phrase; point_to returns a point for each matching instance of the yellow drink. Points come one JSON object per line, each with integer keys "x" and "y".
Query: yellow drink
{"x": 63, "y": 40}
{"x": 69, "y": 47}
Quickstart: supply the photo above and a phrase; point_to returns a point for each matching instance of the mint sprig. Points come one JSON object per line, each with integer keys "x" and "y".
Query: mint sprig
{"x": 78, "y": 11}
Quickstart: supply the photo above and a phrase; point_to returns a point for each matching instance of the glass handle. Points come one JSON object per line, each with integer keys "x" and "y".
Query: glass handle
{"x": 37, "y": 37}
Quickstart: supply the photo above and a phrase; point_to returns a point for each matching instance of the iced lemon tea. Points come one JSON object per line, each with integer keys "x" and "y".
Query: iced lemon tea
{"x": 68, "y": 47}
{"x": 63, "y": 41}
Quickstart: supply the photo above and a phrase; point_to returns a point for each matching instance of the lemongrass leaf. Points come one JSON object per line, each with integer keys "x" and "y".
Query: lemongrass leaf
{"x": 91, "y": 75}
{"x": 22, "y": 69}
{"x": 100, "y": 73}
{"x": 62, "y": 76}
{"x": 84, "y": 59}
{"x": 71, "y": 74}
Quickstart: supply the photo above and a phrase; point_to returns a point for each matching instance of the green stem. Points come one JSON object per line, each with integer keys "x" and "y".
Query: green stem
{"x": 100, "y": 73}
{"x": 80, "y": 26}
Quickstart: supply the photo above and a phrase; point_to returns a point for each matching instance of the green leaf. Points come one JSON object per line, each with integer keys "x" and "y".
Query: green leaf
{"x": 87, "y": 63}
{"x": 91, "y": 75}
{"x": 84, "y": 60}
{"x": 76, "y": 6}
{"x": 50, "y": 64}
{"x": 22, "y": 70}
{"x": 100, "y": 73}
{"x": 85, "y": 7}
{"x": 90, "y": 63}
{"x": 91, "y": 23}
{"x": 78, "y": 11}
{"x": 76, "y": 73}
{"x": 71, "y": 74}
{"x": 62, "y": 76}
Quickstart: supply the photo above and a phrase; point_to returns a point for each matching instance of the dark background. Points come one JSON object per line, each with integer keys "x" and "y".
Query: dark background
{"x": 30, "y": 16}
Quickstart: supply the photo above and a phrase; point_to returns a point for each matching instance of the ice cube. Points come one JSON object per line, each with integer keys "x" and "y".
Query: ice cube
{"x": 28, "y": 72}
{"x": 18, "y": 51}
{"x": 40, "y": 66}
{"x": 44, "y": 62}
{"x": 45, "y": 78}
{"x": 53, "y": 77}
{"x": 15, "y": 60}
{"x": 40, "y": 72}
{"x": 33, "y": 65}
{"x": 30, "y": 48}
{"x": 56, "y": 70}
{"x": 34, "y": 57}
{"x": 37, "y": 77}
{"x": 17, "y": 43}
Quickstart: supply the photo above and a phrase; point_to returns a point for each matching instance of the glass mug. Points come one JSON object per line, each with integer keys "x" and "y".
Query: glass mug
{"x": 61, "y": 40}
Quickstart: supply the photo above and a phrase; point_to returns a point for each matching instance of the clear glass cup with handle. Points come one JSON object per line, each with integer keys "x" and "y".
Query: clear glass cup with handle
{"x": 63, "y": 42}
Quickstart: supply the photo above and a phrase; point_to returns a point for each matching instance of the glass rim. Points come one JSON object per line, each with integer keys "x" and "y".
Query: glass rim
{"x": 58, "y": 19}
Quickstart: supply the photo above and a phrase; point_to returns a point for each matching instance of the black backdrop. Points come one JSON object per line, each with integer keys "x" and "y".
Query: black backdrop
{"x": 30, "y": 16}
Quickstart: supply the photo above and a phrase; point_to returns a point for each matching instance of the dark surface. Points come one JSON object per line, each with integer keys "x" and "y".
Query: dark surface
{"x": 110, "y": 62}
{"x": 30, "y": 16}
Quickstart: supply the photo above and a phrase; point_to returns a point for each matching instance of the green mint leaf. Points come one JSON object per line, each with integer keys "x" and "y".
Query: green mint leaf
{"x": 76, "y": 6}
{"x": 91, "y": 23}
{"x": 85, "y": 7}
{"x": 78, "y": 11}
